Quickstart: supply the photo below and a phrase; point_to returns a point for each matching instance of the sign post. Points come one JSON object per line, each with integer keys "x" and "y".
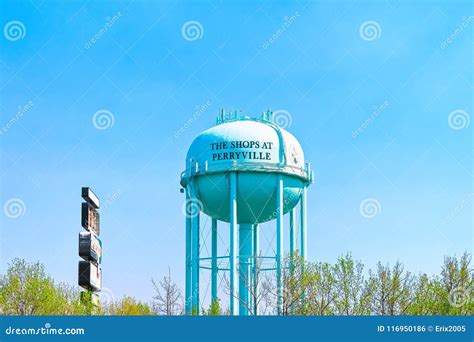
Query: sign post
{"x": 90, "y": 249}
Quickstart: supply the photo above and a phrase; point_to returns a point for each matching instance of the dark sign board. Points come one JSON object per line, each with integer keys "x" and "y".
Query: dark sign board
{"x": 90, "y": 218}
{"x": 90, "y": 197}
{"x": 90, "y": 247}
{"x": 90, "y": 276}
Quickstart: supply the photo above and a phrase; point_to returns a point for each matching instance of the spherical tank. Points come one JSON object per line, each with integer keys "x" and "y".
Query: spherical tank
{"x": 260, "y": 152}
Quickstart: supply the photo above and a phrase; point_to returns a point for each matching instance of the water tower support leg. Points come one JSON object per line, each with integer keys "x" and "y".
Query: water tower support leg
{"x": 292, "y": 244}
{"x": 188, "y": 289}
{"x": 292, "y": 238}
{"x": 245, "y": 252}
{"x": 303, "y": 228}
{"x": 195, "y": 247}
{"x": 214, "y": 261}
{"x": 279, "y": 249}
{"x": 256, "y": 251}
{"x": 304, "y": 223}
{"x": 233, "y": 245}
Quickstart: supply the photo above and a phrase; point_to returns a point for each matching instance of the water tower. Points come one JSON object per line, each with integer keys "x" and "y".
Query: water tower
{"x": 243, "y": 172}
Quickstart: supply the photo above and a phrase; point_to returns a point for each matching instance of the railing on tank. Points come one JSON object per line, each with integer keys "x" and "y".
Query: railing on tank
{"x": 197, "y": 170}
{"x": 231, "y": 116}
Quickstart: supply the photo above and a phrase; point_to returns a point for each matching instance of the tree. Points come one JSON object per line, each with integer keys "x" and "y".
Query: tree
{"x": 390, "y": 289}
{"x": 352, "y": 297}
{"x": 308, "y": 289}
{"x": 457, "y": 286}
{"x": 427, "y": 296}
{"x": 450, "y": 293}
{"x": 321, "y": 295}
{"x": 168, "y": 299}
{"x": 127, "y": 306}
{"x": 297, "y": 279}
{"x": 27, "y": 290}
{"x": 257, "y": 289}
{"x": 214, "y": 309}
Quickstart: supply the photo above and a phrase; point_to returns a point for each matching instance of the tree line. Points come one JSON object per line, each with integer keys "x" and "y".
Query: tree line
{"x": 309, "y": 288}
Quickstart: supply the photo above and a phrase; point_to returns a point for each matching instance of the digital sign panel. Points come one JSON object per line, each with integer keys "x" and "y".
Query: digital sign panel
{"x": 90, "y": 276}
{"x": 90, "y": 247}
{"x": 90, "y": 197}
{"x": 90, "y": 218}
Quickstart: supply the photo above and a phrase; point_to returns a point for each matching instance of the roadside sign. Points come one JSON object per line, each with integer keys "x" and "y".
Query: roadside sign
{"x": 90, "y": 276}
{"x": 90, "y": 247}
{"x": 90, "y": 197}
{"x": 90, "y": 218}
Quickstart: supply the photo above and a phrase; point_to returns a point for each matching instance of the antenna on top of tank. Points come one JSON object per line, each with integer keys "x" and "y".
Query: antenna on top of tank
{"x": 269, "y": 115}
{"x": 220, "y": 117}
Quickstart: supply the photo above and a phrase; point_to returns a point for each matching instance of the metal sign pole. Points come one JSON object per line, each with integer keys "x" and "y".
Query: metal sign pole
{"x": 90, "y": 250}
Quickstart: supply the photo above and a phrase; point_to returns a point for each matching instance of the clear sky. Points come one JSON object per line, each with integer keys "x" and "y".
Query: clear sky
{"x": 378, "y": 93}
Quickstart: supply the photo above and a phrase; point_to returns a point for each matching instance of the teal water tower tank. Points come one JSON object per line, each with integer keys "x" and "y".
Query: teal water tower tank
{"x": 242, "y": 171}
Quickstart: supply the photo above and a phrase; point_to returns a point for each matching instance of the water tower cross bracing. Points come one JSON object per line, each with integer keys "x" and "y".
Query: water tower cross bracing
{"x": 243, "y": 172}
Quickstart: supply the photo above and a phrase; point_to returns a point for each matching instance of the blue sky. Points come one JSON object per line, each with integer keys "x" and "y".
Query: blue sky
{"x": 379, "y": 94}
